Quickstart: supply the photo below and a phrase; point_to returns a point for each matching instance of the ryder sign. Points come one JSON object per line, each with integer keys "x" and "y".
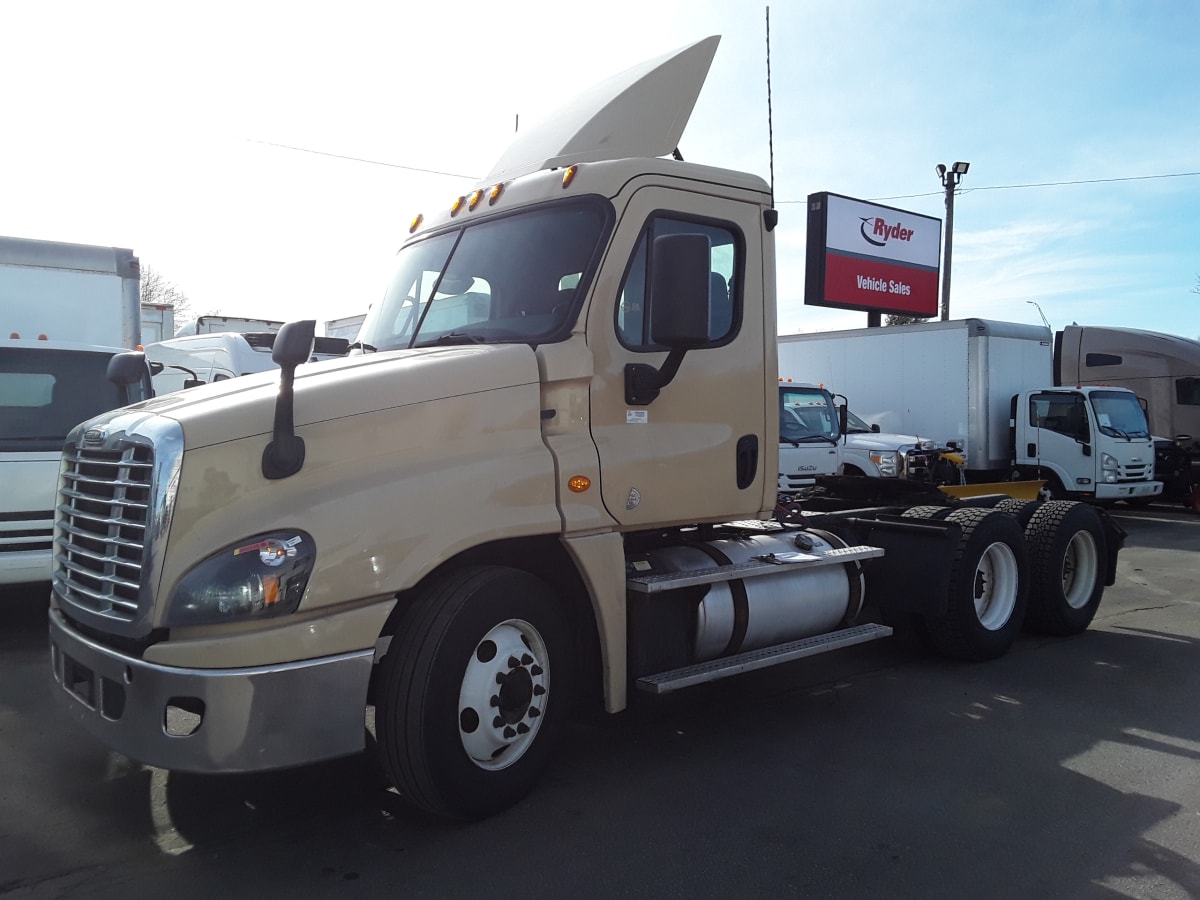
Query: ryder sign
{"x": 875, "y": 258}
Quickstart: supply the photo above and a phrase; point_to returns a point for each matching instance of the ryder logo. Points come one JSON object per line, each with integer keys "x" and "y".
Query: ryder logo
{"x": 878, "y": 232}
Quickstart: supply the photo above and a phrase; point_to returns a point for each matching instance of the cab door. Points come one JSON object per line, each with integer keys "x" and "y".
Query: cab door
{"x": 1059, "y": 436}
{"x": 697, "y": 451}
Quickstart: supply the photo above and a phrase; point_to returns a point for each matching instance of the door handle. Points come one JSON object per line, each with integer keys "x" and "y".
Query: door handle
{"x": 747, "y": 460}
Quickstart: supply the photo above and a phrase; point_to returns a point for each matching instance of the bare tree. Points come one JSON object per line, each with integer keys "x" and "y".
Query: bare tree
{"x": 897, "y": 319}
{"x": 157, "y": 289}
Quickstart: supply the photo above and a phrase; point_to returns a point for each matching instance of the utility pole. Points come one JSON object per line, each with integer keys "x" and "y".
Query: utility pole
{"x": 950, "y": 178}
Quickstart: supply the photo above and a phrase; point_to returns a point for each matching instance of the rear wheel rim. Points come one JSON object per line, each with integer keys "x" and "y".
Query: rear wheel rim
{"x": 1079, "y": 570}
{"x": 996, "y": 586}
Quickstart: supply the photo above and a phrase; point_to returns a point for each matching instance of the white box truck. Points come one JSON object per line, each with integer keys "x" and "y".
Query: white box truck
{"x": 344, "y": 327}
{"x": 158, "y": 322}
{"x": 548, "y": 478}
{"x": 65, "y": 310}
{"x": 986, "y": 389}
{"x": 213, "y": 323}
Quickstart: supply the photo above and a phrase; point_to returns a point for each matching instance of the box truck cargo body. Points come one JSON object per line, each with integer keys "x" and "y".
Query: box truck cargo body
{"x": 65, "y": 309}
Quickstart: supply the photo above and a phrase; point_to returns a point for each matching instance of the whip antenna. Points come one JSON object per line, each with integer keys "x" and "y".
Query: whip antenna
{"x": 770, "y": 127}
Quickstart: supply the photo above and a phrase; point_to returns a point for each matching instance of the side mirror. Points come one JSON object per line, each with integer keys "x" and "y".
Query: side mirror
{"x": 293, "y": 345}
{"x": 679, "y": 281}
{"x": 129, "y": 370}
{"x": 679, "y": 310}
{"x": 875, "y": 428}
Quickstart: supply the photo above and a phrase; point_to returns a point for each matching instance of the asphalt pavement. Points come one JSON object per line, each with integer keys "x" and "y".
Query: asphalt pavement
{"x": 1070, "y": 768}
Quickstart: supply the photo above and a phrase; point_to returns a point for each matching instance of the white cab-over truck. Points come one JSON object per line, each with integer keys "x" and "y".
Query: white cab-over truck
{"x": 196, "y": 359}
{"x": 986, "y": 389}
{"x": 547, "y": 479}
{"x": 809, "y": 436}
{"x": 65, "y": 311}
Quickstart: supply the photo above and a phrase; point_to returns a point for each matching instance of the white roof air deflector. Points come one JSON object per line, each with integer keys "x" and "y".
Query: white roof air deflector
{"x": 639, "y": 113}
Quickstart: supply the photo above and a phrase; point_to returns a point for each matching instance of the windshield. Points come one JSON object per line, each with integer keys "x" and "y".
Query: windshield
{"x": 45, "y": 393}
{"x": 806, "y": 415}
{"x": 1118, "y": 414}
{"x": 855, "y": 425}
{"x": 519, "y": 278}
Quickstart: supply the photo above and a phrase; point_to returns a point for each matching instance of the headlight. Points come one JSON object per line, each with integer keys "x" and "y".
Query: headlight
{"x": 260, "y": 577}
{"x": 1108, "y": 461}
{"x": 886, "y": 463}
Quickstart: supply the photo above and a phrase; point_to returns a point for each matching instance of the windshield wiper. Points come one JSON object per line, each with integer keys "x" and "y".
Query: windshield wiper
{"x": 360, "y": 345}
{"x": 810, "y": 438}
{"x": 453, "y": 337}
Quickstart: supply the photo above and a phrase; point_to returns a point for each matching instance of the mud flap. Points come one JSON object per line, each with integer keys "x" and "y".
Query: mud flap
{"x": 913, "y": 575}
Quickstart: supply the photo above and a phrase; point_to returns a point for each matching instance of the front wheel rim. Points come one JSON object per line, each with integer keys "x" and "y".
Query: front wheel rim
{"x": 996, "y": 586}
{"x": 1080, "y": 569}
{"x": 502, "y": 701}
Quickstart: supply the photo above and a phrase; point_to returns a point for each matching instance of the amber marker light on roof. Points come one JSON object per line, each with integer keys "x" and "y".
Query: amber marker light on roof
{"x": 457, "y": 205}
{"x": 476, "y": 196}
{"x": 416, "y": 223}
{"x": 577, "y": 484}
{"x": 495, "y": 192}
{"x": 569, "y": 175}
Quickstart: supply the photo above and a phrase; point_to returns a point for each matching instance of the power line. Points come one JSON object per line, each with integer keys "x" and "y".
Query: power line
{"x": 1010, "y": 187}
{"x": 373, "y": 162}
{"x": 994, "y": 187}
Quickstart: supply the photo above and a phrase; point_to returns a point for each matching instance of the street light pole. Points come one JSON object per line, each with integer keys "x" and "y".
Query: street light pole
{"x": 950, "y": 178}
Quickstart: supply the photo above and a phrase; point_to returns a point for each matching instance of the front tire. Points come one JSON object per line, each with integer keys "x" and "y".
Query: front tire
{"x": 472, "y": 691}
{"x": 1068, "y": 557}
{"x": 988, "y": 591}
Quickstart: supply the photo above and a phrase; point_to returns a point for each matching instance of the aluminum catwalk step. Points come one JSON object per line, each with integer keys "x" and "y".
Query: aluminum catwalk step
{"x": 665, "y": 682}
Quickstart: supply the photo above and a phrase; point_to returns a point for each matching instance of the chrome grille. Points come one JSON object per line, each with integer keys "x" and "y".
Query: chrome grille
{"x": 100, "y": 540}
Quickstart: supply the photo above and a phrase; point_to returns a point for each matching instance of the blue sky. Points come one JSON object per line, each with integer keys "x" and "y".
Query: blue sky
{"x": 150, "y": 125}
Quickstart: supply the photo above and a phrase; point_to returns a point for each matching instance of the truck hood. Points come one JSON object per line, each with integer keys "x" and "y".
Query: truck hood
{"x": 882, "y": 440}
{"x": 342, "y": 388}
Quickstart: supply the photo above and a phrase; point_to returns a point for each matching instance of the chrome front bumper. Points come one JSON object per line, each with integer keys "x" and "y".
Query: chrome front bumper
{"x": 212, "y": 720}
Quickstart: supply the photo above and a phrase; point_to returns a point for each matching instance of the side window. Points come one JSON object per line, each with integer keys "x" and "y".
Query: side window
{"x": 724, "y": 291}
{"x": 1187, "y": 391}
{"x": 1062, "y": 414}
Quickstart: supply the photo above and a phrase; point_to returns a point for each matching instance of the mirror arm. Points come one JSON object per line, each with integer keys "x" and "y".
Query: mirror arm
{"x": 284, "y": 456}
{"x": 644, "y": 381}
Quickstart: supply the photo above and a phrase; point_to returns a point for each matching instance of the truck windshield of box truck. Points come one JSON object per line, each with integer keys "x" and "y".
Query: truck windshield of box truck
{"x": 806, "y": 415}
{"x": 1118, "y": 414}
{"x": 513, "y": 279}
{"x": 44, "y": 393}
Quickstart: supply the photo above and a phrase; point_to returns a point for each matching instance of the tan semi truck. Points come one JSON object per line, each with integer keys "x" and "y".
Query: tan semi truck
{"x": 548, "y": 479}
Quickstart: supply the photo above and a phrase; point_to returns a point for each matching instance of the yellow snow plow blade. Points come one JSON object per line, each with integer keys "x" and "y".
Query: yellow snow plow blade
{"x": 1021, "y": 490}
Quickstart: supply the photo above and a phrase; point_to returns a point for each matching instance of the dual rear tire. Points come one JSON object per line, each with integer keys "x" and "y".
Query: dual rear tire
{"x": 1037, "y": 566}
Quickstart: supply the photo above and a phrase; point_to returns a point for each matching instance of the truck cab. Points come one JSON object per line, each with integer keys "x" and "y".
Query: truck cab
{"x": 195, "y": 359}
{"x": 1092, "y": 442}
{"x": 809, "y": 435}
